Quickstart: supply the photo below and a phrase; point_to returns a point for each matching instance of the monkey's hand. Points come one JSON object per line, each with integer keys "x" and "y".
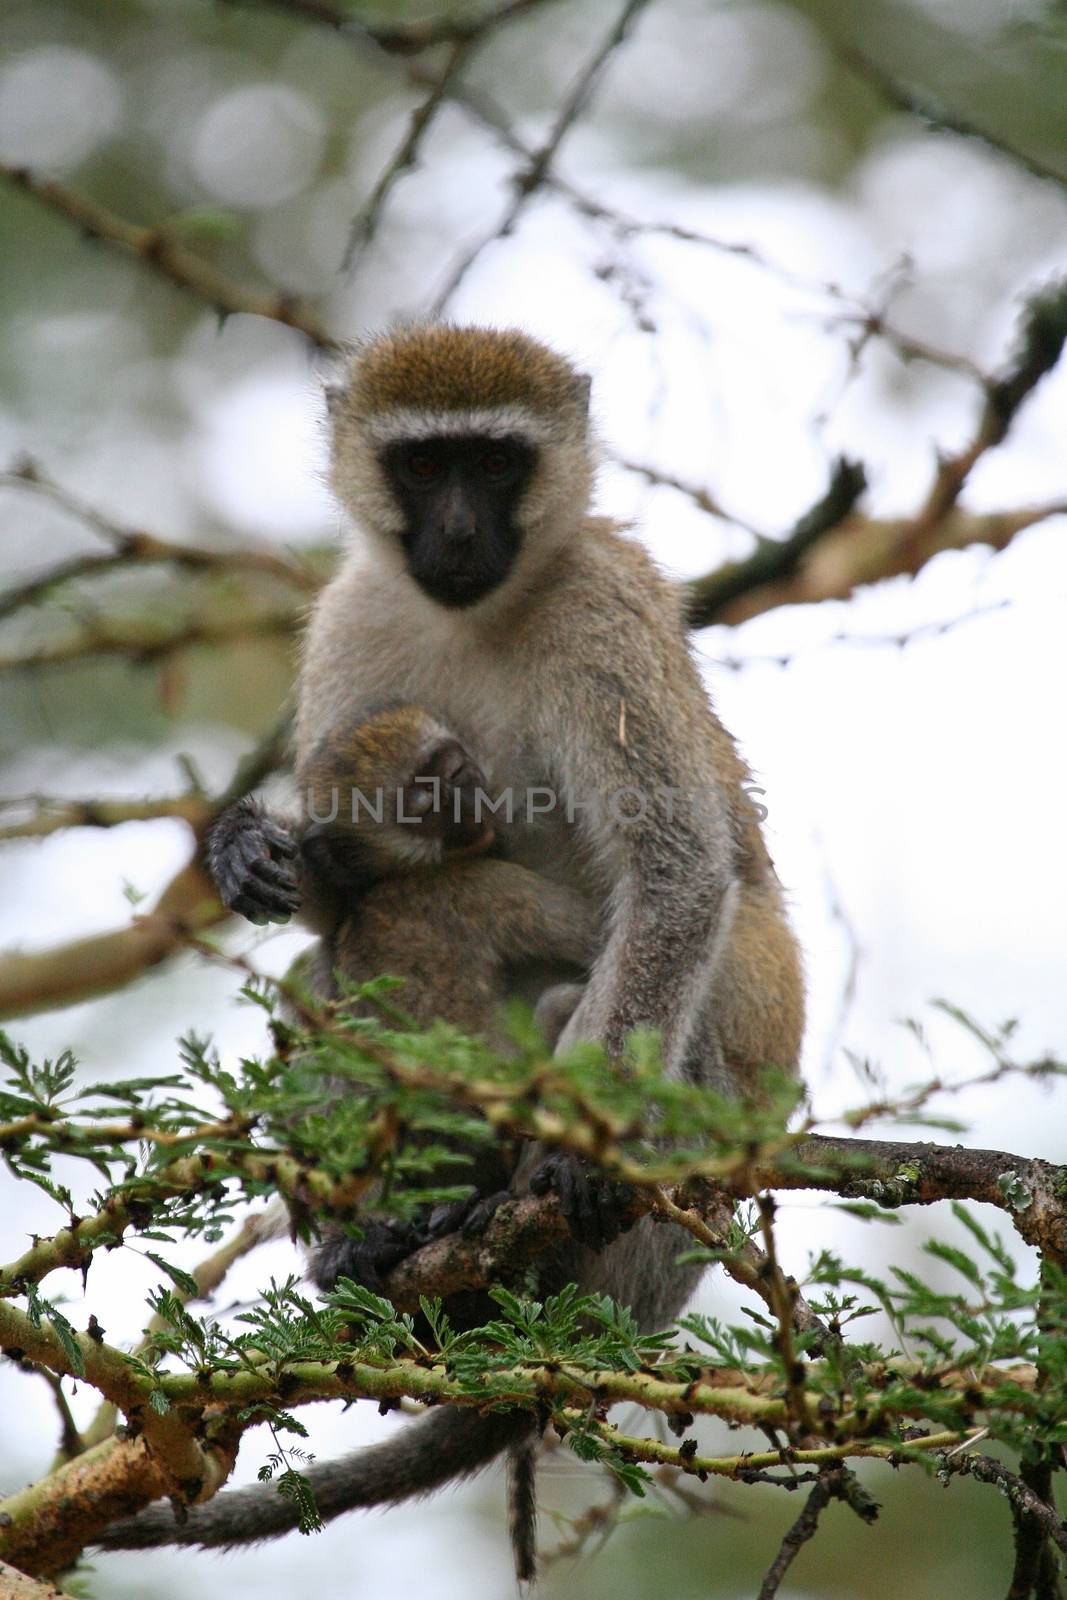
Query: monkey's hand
{"x": 595, "y": 1207}
{"x": 249, "y": 854}
{"x": 367, "y": 1261}
{"x": 470, "y": 1217}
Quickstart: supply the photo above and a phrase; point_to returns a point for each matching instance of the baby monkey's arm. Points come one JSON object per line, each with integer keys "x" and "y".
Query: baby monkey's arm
{"x": 531, "y": 918}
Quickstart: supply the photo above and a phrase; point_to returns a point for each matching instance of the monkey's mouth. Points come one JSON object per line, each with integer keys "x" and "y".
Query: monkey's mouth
{"x": 458, "y": 585}
{"x": 459, "y": 588}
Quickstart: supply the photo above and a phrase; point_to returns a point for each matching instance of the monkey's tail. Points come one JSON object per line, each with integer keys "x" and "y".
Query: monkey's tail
{"x": 448, "y": 1444}
{"x": 522, "y": 1504}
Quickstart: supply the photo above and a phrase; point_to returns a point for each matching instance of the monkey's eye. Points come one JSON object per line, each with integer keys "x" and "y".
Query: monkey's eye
{"x": 496, "y": 463}
{"x": 423, "y": 464}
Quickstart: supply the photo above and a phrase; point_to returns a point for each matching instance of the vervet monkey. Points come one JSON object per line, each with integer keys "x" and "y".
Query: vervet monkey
{"x": 478, "y": 583}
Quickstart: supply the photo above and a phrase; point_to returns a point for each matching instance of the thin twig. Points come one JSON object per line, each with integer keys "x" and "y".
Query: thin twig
{"x": 136, "y": 547}
{"x": 781, "y": 1297}
{"x": 158, "y": 249}
{"x": 1035, "y": 1505}
{"x": 405, "y": 38}
{"x": 71, "y": 1441}
{"x": 750, "y": 1266}
{"x": 540, "y": 164}
{"x": 804, "y": 1528}
{"x": 936, "y": 115}
{"x": 365, "y": 224}
{"x": 208, "y": 1275}
{"x": 147, "y": 642}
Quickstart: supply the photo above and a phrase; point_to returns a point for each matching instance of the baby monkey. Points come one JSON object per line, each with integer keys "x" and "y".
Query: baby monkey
{"x": 397, "y": 877}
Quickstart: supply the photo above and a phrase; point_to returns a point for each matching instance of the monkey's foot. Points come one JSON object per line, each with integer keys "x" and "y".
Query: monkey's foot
{"x": 368, "y": 1261}
{"x": 470, "y": 1217}
{"x": 595, "y": 1207}
{"x": 249, "y": 855}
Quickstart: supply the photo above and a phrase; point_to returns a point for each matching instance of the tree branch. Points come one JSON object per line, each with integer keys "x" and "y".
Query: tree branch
{"x": 136, "y": 547}
{"x": 365, "y": 225}
{"x": 541, "y": 161}
{"x": 804, "y": 1528}
{"x": 209, "y": 1408}
{"x": 407, "y": 38}
{"x": 157, "y": 249}
{"x": 775, "y": 561}
{"x": 1027, "y": 1505}
{"x": 85, "y": 968}
{"x": 935, "y": 114}
{"x": 1033, "y": 1193}
{"x": 16, "y": 1585}
{"x": 147, "y": 642}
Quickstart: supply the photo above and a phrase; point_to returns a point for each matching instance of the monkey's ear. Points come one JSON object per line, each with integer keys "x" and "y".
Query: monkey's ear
{"x": 335, "y": 394}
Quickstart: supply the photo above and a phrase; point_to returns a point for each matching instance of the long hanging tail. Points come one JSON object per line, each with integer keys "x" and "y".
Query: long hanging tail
{"x": 447, "y": 1445}
{"x": 522, "y": 1504}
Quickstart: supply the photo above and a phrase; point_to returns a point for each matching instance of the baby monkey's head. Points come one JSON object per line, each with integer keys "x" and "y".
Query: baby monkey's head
{"x": 393, "y": 792}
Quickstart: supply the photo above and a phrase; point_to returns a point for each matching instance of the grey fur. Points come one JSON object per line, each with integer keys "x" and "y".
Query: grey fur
{"x": 574, "y": 674}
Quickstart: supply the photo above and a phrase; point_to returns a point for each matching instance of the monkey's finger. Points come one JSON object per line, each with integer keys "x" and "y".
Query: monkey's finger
{"x": 261, "y": 912}
{"x": 482, "y": 1213}
{"x": 255, "y": 886}
{"x": 562, "y": 1176}
{"x": 611, "y": 1200}
{"x": 279, "y": 839}
{"x": 255, "y": 893}
{"x": 251, "y": 897}
{"x": 270, "y": 874}
{"x": 253, "y": 857}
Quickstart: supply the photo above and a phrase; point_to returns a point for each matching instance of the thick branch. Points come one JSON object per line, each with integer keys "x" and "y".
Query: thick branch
{"x": 773, "y": 561}
{"x": 16, "y": 1585}
{"x": 1033, "y": 1193}
{"x": 853, "y": 553}
{"x": 146, "y": 642}
{"x": 52, "y": 816}
{"x": 48, "y": 1525}
{"x": 85, "y": 968}
{"x": 189, "y": 1463}
{"x": 188, "y": 907}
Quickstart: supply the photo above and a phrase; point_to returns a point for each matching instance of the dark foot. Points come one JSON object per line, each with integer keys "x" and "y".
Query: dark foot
{"x": 368, "y": 1261}
{"x": 595, "y": 1207}
{"x": 469, "y": 1217}
{"x": 249, "y": 856}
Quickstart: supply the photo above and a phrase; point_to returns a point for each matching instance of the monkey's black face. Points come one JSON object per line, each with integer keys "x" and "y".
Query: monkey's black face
{"x": 459, "y": 496}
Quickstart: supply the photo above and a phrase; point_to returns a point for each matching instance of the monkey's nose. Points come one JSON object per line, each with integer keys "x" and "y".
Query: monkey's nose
{"x": 459, "y": 525}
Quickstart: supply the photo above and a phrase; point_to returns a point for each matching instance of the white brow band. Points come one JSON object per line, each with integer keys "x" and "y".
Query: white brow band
{"x": 493, "y": 422}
